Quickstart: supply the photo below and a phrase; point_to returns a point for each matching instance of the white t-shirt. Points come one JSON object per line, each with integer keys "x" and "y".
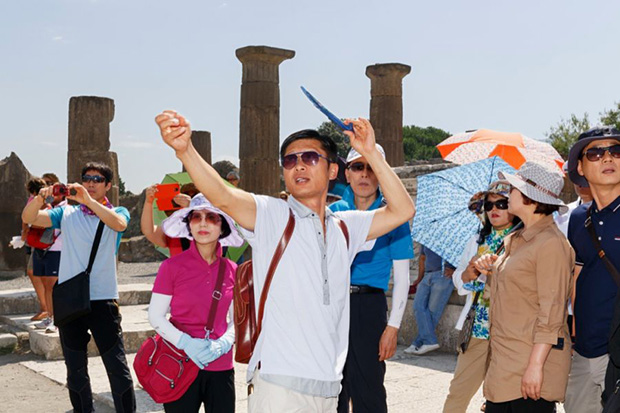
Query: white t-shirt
{"x": 305, "y": 331}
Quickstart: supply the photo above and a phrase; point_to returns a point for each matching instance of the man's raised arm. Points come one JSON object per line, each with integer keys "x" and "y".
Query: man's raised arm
{"x": 400, "y": 207}
{"x": 176, "y": 132}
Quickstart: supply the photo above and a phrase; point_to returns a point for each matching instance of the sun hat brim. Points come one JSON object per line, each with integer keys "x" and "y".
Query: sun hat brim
{"x": 175, "y": 226}
{"x": 532, "y": 192}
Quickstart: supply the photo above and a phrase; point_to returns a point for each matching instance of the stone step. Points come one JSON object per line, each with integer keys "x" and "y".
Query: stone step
{"x": 56, "y": 371}
{"x": 136, "y": 329}
{"x": 8, "y": 343}
{"x": 24, "y": 300}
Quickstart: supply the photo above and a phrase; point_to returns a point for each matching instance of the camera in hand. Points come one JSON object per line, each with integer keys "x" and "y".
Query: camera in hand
{"x": 63, "y": 190}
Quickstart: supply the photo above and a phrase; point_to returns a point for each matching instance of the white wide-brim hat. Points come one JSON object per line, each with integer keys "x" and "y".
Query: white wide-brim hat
{"x": 175, "y": 226}
{"x": 353, "y": 154}
{"x": 538, "y": 183}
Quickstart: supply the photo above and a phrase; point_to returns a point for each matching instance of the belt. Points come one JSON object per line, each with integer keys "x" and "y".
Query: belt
{"x": 364, "y": 289}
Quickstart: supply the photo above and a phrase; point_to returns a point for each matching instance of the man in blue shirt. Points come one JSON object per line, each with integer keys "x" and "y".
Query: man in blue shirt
{"x": 79, "y": 224}
{"x": 372, "y": 338}
{"x": 594, "y": 161}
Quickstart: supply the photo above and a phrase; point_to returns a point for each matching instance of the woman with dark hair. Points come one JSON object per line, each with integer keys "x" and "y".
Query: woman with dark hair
{"x": 530, "y": 284}
{"x": 185, "y": 286}
{"x": 491, "y": 206}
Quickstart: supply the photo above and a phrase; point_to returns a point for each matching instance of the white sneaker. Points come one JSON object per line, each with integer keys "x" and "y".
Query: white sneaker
{"x": 51, "y": 328}
{"x": 423, "y": 349}
{"x": 43, "y": 324}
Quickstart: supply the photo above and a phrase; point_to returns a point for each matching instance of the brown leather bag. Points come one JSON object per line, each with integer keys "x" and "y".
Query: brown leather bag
{"x": 246, "y": 328}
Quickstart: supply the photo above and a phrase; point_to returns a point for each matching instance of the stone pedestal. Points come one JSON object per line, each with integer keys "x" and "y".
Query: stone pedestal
{"x": 13, "y": 197}
{"x": 259, "y": 124}
{"x": 386, "y": 108}
{"x": 89, "y": 138}
{"x": 202, "y": 142}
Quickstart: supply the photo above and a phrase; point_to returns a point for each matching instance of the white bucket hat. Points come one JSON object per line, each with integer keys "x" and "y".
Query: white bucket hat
{"x": 538, "y": 183}
{"x": 175, "y": 226}
{"x": 353, "y": 154}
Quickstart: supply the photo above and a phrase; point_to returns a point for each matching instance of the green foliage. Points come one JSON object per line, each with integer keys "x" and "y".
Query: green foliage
{"x": 121, "y": 187}
{"x": 565, "y": 133}
{"x": 334, "y": 132}
{"x": 611, "y": 117}
{"x": 420, "y": 143}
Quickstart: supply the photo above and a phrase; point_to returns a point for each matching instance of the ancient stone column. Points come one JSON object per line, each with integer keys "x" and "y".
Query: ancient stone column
{"x": 259, "y": 125}
{"x": 202, "y": 142}
{"x": 386, "y": 108}
{"x": 13, "y": 197}
{"x": 89, "y": 138}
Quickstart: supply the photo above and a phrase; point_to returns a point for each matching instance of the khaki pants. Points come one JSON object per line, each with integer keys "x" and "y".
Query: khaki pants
{"x": 586, "y": 383}
{"x": 471, "y": 367}
{"x": 271, "y": 398}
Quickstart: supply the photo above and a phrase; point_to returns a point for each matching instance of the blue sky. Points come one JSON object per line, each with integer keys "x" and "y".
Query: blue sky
{"x": 514, "y": 66}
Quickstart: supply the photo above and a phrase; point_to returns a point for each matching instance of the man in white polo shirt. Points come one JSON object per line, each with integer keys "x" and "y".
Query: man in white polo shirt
{"x": 303, "y": 343}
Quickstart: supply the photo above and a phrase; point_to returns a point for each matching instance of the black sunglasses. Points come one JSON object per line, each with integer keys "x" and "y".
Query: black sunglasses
{"x": 499, "y": 204}
{"x": 359, "y": 167}
{"x": 309, "y": 158}
{"x": 93, "y": 178}
{"x": 596, "y": 154}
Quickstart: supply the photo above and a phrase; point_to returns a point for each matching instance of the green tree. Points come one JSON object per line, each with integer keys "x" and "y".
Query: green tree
{"x": 420, "y": 143}
{"x": 334, "y": 132}
{"x": 565, "y": 133}
{"x": 122, "y": 190}
{"x": 611, "y": 117}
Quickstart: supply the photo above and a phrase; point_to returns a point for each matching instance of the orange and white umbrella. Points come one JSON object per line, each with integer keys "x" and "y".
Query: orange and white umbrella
{"x": 512, "y": 147}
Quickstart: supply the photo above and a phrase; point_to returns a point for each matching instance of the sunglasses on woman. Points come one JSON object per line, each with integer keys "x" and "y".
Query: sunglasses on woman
{"x": 359, "y": 167}
{"x": 309, "y": 158}
{"x": 209, "y": 217}
{"x": 596, "y": 154}
{"x": 93, "y": 178}
{"x": 499, "y": 204}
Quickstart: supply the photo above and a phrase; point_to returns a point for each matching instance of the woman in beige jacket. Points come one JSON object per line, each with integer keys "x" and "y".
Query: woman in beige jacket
{"x": 530, "y": 285}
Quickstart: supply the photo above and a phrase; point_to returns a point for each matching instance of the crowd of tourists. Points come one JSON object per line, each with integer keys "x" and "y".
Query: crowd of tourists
{"x": 540, "y": 324}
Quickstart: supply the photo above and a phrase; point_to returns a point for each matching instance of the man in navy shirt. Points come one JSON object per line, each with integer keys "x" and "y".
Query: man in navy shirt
{"x": 372, "y": 337}
{"x": 594, "y": 161}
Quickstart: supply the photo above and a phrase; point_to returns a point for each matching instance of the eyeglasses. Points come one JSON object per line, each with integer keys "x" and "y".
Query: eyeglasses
{"x": 93, "y": 178}
{"x": 310, "y": 158}
{"x": 209, "y": 217}
{"x": 359, "y": 167}
{"x": 596, "y": 154}
{"x": 499, "y": 204}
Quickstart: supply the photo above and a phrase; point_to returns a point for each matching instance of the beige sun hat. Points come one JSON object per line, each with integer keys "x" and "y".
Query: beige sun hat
{"x": 538, "y": 183}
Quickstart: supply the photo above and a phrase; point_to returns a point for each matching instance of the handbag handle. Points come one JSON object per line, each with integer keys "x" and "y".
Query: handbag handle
{"x": 599, "y": 249}
{"x": 95, "y": 247}
{"x": 277, "y": 255}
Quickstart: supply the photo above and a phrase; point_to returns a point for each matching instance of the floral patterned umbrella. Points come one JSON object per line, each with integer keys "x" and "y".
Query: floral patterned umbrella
{"x": 512, "y": 147}
{"x": 442, "y": 221}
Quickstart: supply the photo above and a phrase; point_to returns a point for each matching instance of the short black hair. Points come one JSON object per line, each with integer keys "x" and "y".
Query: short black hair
{"x": 327, "y": 143}
{"x": 34, "y": 185}
{"x": 544, "y": 209}
{"x": 102, "y": 168}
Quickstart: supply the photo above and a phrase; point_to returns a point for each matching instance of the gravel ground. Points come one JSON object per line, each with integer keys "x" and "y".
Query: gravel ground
{"x": 128, "y": 273}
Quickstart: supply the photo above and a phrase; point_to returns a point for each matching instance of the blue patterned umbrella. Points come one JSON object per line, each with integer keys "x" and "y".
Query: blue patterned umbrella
{"x": 442, "y": 221}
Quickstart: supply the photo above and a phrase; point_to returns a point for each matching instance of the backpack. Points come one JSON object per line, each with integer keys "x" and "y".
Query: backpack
{"x": 247, "y": 329}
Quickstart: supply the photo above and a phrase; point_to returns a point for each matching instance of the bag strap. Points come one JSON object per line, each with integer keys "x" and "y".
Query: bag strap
{"x": 277, "y": 255}
{"x": 599, "y": 249}
{"x": 343, "y": 228}
{"x": 95, "y": 247}
{"x": 216, "y": 296}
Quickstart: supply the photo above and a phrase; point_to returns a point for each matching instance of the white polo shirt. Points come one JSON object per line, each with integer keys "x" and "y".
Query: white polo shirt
{"x": 305, "y": 332}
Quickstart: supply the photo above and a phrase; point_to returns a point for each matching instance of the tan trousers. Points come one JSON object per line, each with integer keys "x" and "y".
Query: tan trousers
{"x": 271, "y": 398}
{"x": 586, "y": 383}
{"x": 471, "y": 367}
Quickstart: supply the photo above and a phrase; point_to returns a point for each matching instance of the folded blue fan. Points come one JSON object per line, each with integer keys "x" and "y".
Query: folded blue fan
{"x": 335, "y": 119}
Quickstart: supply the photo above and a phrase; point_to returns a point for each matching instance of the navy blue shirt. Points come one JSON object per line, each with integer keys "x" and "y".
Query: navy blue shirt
{"x": 596, "y": 290}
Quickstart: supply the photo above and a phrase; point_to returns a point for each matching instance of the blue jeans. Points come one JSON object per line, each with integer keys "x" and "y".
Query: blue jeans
{"x": 430, "y": 299}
